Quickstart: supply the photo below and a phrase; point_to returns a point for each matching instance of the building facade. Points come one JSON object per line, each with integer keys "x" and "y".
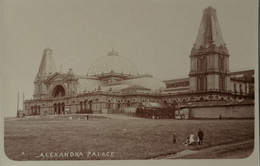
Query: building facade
{"x": 113, "y": 83}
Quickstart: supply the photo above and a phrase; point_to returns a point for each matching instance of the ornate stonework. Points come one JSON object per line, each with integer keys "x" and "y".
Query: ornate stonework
{"x": 113, "y": 84}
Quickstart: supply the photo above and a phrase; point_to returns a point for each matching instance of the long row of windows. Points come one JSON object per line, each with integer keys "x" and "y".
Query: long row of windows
{"x": 177, "y": 84}
{"x": 247, "y": 89}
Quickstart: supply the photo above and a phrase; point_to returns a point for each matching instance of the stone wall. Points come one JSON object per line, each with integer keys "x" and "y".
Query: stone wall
{"x": 239, "y": 111}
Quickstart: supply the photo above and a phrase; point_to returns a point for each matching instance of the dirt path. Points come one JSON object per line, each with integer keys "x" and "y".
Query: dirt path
{"x": 116, "y": 116}
{"x": 228, "y": 151}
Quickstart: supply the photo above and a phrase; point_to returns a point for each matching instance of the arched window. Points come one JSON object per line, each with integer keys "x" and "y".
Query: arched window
{"x": 221, "y": 63}
{"x": 175, "y": 104}
{"x": 85, "y": 104}
{"x": 63, "y": 108}
{"x": 165, "y": 103}
{"x": 81, "y": 106}
{"x": 90, "y": 105}
{"x": 202, "y": 64}
{"x": 128, "y": 103}
{"x": 109, "y": 104}
{"x": 222, "y": 83}
{"x": 59, "y": 108}
{"x": 235, "y": 88}
{"x": 240, "y": 88}
{"x": 35, "y": 110}
{"x": 55, "y": 108}
{"x": 31, "y": 111}
{"x": 39, "y": 110}
{"x": 118, "y": 105}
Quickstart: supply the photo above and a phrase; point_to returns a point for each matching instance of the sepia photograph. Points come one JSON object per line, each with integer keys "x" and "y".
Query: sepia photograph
{"x": 129, "y": 82}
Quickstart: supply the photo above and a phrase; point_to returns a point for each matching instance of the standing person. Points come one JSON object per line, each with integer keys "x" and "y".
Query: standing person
{"x": 174, "y": 137}
{"x": 87, "y": 117}
{"x": 200, "y": 135}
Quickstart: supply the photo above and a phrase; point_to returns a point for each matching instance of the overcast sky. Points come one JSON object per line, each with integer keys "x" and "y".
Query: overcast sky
{"x": 157, "y": 35}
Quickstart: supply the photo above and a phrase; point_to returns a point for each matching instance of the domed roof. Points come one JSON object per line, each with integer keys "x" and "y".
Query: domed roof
{"x": 112, "y": 63}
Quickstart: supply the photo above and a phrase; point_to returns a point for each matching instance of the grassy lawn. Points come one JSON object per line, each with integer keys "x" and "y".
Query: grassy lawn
{"x": 26, "y": 139}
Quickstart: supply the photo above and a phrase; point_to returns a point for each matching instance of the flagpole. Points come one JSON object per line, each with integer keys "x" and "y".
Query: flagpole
{"x": 18, "y": 101}
{"x": 23, "y": 102}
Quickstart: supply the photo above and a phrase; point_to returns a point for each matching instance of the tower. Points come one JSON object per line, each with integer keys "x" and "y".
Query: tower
{"x": 47, "y": 68}
{"x": 209, "y": 57}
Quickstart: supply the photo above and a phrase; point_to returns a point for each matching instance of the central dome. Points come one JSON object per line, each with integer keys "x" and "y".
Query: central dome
{"x": 112, "y": 63}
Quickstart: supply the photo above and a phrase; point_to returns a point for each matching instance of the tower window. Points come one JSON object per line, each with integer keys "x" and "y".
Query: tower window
{"x": 222, "y": 83}
{"x": 221, "y": 63}
{"x": 202, "y": 64}
{"x": 202, "y": 83}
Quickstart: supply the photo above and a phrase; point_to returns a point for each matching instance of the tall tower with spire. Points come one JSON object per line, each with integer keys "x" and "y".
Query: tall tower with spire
{"x": 47, "y": 68}
{"x": 209, "y": 57}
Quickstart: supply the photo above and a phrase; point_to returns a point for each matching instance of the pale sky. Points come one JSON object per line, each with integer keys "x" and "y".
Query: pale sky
{"x": 157, "y": 35}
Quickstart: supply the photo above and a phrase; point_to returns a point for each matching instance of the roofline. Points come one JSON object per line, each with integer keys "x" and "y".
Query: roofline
{"x": 177, "y": 79}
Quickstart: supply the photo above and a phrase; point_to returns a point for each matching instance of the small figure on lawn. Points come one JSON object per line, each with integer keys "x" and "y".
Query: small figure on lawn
{"x": 174, "y": 137}
{"x": 191, "y": 139}
{"x": 200, "y": 135}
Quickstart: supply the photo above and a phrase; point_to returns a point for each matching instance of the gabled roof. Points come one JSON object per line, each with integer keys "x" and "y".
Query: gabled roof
{"x": 59, "y": 76}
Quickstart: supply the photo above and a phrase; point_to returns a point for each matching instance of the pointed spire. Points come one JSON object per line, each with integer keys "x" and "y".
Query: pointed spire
{"x": 209, "y": 31}
{"x": 47, "y": 64}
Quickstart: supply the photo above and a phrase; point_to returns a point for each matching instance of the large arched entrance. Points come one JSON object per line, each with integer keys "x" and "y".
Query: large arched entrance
{"x": 58, "y": 91}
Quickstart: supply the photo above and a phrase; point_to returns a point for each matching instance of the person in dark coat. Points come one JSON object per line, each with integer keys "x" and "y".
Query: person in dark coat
{"x": 174, "y": 137}
{"x": 200, "y": 135}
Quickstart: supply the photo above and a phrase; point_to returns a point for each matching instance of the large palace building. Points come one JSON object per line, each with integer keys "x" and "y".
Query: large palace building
{"x": 113, "y": 84}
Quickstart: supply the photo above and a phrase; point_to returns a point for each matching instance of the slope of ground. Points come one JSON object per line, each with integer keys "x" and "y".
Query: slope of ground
{"x": 126, "y": 138}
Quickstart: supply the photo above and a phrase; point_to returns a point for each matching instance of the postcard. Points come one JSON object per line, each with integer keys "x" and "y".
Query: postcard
{"x": 111, "y": 82}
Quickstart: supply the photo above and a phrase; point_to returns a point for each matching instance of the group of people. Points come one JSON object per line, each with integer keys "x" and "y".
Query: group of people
{"x": 191, "y": 139}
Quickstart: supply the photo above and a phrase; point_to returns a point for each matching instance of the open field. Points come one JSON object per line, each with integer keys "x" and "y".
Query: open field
{"x": 119, "y": 138}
